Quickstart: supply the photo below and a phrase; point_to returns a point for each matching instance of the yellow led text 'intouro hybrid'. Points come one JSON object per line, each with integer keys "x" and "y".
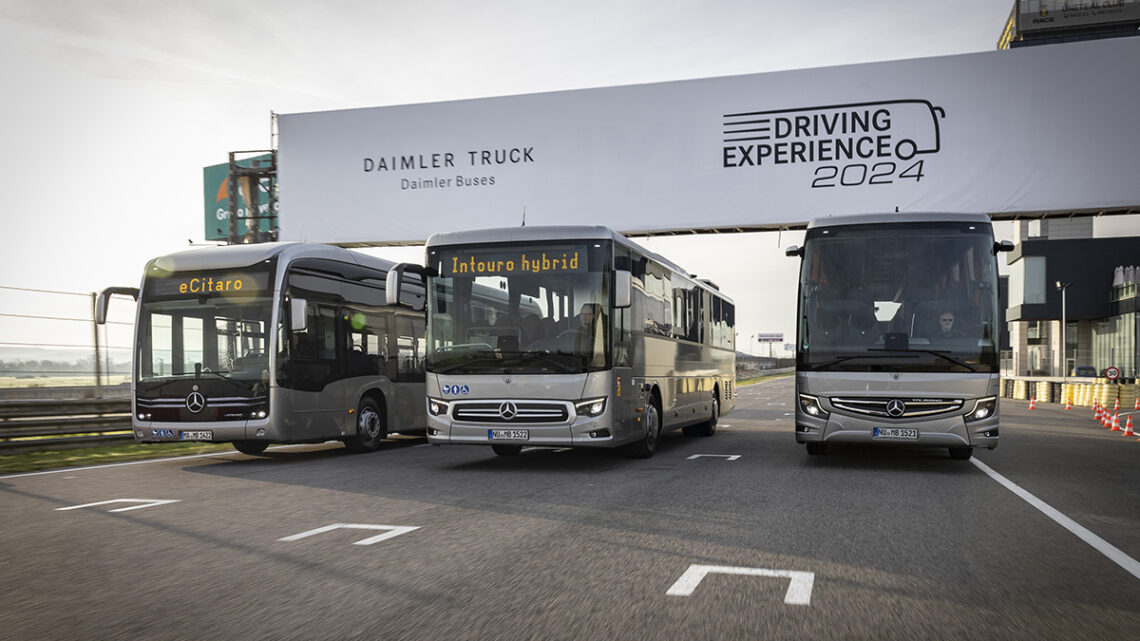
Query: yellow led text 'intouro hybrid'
{"x": 536, "y": 264}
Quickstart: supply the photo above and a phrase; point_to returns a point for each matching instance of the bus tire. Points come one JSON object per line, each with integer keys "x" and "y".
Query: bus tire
{"x": 961, "y": 453}
{"x": 253, "y": 448}
{"x": 370, "y": 429}
{"x": 506, "y": 450}
{"x": 645, "y": 447}
{"x": 708, "y": 428}
{"x": 816, "y": 449}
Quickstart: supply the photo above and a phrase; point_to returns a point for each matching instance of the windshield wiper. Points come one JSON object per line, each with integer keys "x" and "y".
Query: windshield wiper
{"x": 545, "y": 357}
{"x": 938, "y": 353}
{"x": 470, "y": 361}
{"x": 847, "y": 357}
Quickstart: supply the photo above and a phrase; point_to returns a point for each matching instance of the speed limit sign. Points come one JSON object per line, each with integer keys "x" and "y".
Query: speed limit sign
{"x": 1112, "y": 373}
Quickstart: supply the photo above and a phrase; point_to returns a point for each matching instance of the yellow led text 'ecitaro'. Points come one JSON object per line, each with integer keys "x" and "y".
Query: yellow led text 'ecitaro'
{"x": 207, "y": 285}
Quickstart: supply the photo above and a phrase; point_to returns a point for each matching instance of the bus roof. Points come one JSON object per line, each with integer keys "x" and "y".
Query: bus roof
{"x": 896, "y": 217}
{"x": 234, "y": 256}
{"x": 560, "y": 232}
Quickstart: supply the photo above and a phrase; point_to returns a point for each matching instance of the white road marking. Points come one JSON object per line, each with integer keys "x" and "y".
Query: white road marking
{"x": 799, "y": 590}
{"x": 1100, "y": 545}
{"x": 731, "y": 457}
{"x": 393, "y": 531}
{"x": 145, "y": 503}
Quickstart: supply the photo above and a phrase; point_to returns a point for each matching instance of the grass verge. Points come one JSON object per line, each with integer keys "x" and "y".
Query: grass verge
{"x": 101, "y": 455}
{"x": 763, "y": 377}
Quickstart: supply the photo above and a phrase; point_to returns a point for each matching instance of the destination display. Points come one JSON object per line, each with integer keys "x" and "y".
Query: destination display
{"x": 244, "y": 283}
{"x": 513, "y": 262}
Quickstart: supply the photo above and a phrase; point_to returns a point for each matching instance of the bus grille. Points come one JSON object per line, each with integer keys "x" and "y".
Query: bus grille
{"x": 914, "y": 406}
{"x": 524, "y": 412}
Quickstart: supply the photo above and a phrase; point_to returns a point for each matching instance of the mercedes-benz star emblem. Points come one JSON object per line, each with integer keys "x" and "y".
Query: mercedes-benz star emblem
{"x": 195, "y": 402}
{"x": 508, "y": 410}
{"x": 896, "y": 408}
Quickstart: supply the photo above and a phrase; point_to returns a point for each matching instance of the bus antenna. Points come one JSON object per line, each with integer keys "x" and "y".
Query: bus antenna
{"x": 524, "y": 217}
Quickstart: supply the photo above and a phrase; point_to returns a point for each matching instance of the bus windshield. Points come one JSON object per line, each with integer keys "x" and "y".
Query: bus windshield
{"x": 214, "y": 337}
{"x": 511, "y": 308}
{"x": 918, "y": 297}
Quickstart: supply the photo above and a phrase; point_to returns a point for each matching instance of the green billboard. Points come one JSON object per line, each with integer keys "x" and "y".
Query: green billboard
{"x": 215, "y": 180}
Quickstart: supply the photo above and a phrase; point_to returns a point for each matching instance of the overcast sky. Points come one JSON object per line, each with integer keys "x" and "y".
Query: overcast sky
{"x": 112, "y": 107}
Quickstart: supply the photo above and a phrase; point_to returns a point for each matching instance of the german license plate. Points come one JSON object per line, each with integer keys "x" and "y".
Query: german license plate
{"x": 197, "y": 435}
{"x": 899, "y": 433}
{"x": 508, "y": 435}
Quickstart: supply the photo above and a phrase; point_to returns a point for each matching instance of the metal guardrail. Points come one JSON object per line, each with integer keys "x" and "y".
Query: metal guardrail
{"x": 50, "y": 424}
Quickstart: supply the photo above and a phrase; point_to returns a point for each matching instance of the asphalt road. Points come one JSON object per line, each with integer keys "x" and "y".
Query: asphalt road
{"x": 754, "y": 540}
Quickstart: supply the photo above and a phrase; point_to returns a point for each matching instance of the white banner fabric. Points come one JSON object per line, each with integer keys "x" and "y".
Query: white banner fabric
{"x": 1030, "y": 130}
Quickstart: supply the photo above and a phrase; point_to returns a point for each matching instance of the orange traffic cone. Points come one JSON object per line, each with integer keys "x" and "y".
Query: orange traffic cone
{"x": 1116, "y": 408}
{"x": 1033, "y": 403}
{"x": 1068, "y": 403}
{"x": 1136, "y": 405}
{"x": 1096, "y": 411}
{"x": 1128, "y": 428}
{"x": 1115, "y": 422}
{"x": 1105, "y": 420}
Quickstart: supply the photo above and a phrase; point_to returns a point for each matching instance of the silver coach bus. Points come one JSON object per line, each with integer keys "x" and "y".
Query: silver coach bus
{"x": 602, "y": 343}
{"x": 897, "y": 332}
{"x": 274, "y": 343}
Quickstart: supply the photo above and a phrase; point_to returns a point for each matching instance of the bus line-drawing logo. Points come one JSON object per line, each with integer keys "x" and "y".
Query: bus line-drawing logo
{"x": 863, "y": 143}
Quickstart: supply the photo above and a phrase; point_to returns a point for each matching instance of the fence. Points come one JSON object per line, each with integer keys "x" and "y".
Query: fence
{"x": 52, "y": 424}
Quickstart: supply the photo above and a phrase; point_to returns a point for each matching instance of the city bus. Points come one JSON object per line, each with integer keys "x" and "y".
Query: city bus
{"x": 897, "y": 332}
{"x": 602, "y": 343}
{"x": 274, "y": 343}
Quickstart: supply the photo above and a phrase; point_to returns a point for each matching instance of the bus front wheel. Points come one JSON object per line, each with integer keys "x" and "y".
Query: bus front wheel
{"x": 253, "y": 448}
{"x": 961, "y": 453}
{"x": 369, "y": 427}
{"x": 645, "y": 447}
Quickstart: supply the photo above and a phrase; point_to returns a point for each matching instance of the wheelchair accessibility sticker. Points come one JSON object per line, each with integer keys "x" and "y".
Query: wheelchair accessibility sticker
{"x": 456, "y": 390}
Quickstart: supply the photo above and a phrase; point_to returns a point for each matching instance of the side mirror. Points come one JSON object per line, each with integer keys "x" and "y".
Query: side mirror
{"x": 794, "y": 250}
{"x": 401, "y": 293}
{"x": 623, "y": 288}
{"x": 104, "y": 299}
{"x": 297, "y": 318}
{"x": 1003, "y": 246}
{"x": 392, "y": 285}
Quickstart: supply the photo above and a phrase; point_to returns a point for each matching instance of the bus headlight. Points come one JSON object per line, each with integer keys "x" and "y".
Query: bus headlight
{"x": 983, "y": 408}
{"x": 591, "y": 408}
{"x": 810, "y": 405}
{"x": 436, "y": 407}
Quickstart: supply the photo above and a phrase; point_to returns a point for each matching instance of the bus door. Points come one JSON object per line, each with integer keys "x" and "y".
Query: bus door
{"x": 312, "y": 371}
{"x": 625, "y": 394}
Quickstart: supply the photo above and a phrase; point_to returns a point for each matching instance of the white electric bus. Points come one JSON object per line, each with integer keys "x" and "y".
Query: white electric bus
{"x": 274, "y": 343}
{"x": 897, "y": 334}
{"x": 602, "y": 343}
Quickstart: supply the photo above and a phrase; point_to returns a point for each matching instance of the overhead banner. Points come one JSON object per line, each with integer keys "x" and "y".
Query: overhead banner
{"x": 1027, "y": 130}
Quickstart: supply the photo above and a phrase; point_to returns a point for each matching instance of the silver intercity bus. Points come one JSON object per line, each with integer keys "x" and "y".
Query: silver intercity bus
{"x": 600, "y": 343}
{"x": 274, "y": 343}
{"x": 897, "y": 335}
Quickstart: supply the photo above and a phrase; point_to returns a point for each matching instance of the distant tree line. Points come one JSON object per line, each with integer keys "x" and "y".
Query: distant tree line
{"x": 78, "y": 366}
